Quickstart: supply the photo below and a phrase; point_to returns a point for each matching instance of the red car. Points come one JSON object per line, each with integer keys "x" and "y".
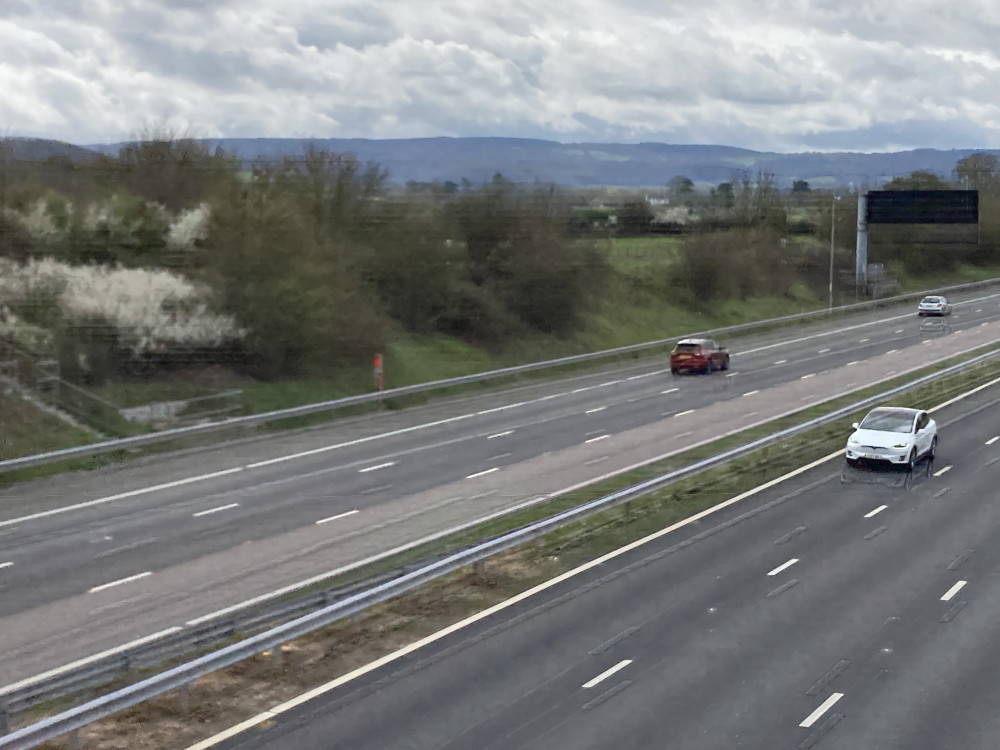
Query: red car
{"x": 700, "y": 355}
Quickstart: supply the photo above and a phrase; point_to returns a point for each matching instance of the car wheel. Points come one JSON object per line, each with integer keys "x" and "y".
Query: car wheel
{"x": 673, "y": 372}
{"x": 932, "y": 453}
{"x": 725, "y": 363}
{"x": 912, "y": 463}
{"x": 708, "y": 368}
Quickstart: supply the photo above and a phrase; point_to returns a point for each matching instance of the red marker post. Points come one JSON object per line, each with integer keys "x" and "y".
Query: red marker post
{"x": 377, "y": 365}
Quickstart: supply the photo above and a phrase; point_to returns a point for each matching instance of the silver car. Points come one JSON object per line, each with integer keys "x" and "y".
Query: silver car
{"x": 934, "y": 304}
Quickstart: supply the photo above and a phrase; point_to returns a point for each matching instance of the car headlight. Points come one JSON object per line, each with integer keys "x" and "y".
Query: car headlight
{"x": 852, "y": 441}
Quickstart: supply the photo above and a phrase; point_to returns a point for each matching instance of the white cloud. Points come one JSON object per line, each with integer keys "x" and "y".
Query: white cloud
{"x": 774, "y": 74}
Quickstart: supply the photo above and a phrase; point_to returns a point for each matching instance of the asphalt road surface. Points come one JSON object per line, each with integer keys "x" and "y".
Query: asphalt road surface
{"x": 833, "y": 611}
{"x": 79, "y": 552}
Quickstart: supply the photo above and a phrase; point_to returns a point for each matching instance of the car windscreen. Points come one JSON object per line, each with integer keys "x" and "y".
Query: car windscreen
{"x": 888, "y": 422}
{"x": 688, "y": 348}
{"x": 931, "y": 300}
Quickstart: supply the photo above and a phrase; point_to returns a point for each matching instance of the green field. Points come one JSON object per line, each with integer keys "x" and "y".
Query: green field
{"x": 26, "y": 429}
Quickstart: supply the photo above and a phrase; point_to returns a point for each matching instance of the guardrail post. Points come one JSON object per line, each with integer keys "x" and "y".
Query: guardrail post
{"x": 479, "y": 567}
{"x": 73, "y": 740}
{"x": 279, "y": 656}
{"x": 4, "y": 719}
{"x": 184, "y": 698}
{"x": 627, "y": 510}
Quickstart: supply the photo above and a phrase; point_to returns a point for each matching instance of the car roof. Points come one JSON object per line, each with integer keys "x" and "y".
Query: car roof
{"x": 897, "y": 411}
{"x": 692, "y": 341}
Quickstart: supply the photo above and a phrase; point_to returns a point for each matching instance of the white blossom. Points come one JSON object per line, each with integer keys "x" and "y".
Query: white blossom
{"x": 189, "y": 227}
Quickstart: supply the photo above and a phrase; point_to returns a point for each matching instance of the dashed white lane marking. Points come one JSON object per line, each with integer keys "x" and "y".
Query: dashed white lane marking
{"x": 482, "y": 473}
{"x": 6, "y": 565}
{"x": 810, "y": 375}
{"x": 751, "y": 393}
{"x": 104, "y": 586}
{"x": 855, "y": 362}
{"x": 683, "y": 435}
{"x": 781, "y": 362}
{"x": 979, "y": 310}
{"x": 684, "y": 413}
{"x": 386, "y": 465}
{"x": 899, "y": 330}
{"x": 863, "y": 341}
{"x": 499, "y": 456}
{"x": 823, "y": 351}
{"x": 823, "y": 708}
{"x": 939, "y": 472}
{"x": 950, "y": 593}
{"x": 607, "y": 673}
{"x": 892, "y": 351}
{"x": 732, "y": 375}
{"x": 750, "y": 414}
{"x": 993, "y": 440}
{"x": 210, "y": 511}
{"x": 500, "y": 435}
{"x": 670, "y": 390}
{"x": 596, "y": 439}
{"x": 873, "y": 513}
{"x": 783, "y": 566}
{"x": 337, "y": 517}
{"x": 595, "y": 410}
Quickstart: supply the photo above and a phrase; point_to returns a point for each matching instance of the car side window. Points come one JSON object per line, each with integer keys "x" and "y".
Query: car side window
{"x": 922, "y": 421}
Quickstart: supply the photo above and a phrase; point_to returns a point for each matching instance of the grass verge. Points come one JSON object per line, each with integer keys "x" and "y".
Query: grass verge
{"x": 231, "y": 695}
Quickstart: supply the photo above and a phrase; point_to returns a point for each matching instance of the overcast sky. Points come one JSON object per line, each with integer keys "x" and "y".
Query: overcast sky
{"x": 783, "y": 75}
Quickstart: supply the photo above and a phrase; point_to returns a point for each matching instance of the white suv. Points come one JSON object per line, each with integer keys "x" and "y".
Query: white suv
{"x": 894, "y": 434}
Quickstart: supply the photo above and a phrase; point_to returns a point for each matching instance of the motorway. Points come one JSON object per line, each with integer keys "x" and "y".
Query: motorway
{"x": 827, "y": 611}
{"x": 78, "y": 551}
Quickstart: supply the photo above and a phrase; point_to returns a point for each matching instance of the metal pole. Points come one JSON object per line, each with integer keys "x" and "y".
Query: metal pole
{"x": 833, "y": 229}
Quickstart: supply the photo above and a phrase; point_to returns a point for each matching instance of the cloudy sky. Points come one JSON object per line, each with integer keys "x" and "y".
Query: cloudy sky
{"x": 783, "y": 75}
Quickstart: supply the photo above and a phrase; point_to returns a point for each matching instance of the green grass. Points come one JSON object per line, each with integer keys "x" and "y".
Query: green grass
{"x": 26, "y": 429}
{"x": 961, "y": 275}
{"x": 643, "y": 258}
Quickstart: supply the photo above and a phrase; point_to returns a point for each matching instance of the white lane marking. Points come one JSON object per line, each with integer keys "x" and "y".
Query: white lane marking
{"x": 823, "y": 351}
{"x": 104, "y": 586}
{"x": 979, "y": 310}
{"x": 595, "y": 410}
{"x": 6, "y": 565}
{"x": 823, "y": 708}
{"x": 338, "y": 516}
{"x": 374, "y": 490}
{"x": 215, "y": 510}
{"x": 892, "y": 351}
{"x": 482, "y": 473}
{"x": 684, "y": 413}
{"x": 671, "y": 390}
{"x": 119, "y": 496}
{"x": 502, "y": 408}
{"x": 596, "y": 439}
{"x": 993, "y": 440}
{"x": 732, "y": 375}
{"x": 750, "y": 414}
{"x": 863, "y": 341}
{"x": 781, "y": 362}
{"x": 498, "y": 456}
{"x": 607, "y": 673}
{"x": 965, "y": 395}
{"x": 873, "y": 513}
{"x": 88, "y": 660}
{"x": 500, "y": 435}
{"x": 899, "y": 330}
{"x": 784, "y": 566}
{"x": 638, "y": 377}
{"x": 810, "y": 375}
{"x": 751, "y": 393}
{"x": 939, "y": 472}
{"x": 950, "y": 593}
{"x": 854, "y": 362}
{"x": 386, "y": 465}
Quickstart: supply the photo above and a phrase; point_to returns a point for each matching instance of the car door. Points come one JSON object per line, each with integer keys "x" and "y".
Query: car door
{"x": 923, "y": 433}
{"x": 714, "y": 354}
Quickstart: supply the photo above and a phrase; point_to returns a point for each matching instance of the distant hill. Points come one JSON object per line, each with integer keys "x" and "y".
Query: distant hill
{"x": 41, "y": 149}
{"x": 597, "y": 164}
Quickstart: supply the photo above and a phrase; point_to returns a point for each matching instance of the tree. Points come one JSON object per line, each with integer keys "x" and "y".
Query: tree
{"x": 800, "y": 186}
{"x": 723, "y": 195}
{"x": 917, "y": 180}
{"x": 757, "y": 202}
{"x": 680, "y": 187}
{"x": 980, "y": 171}
{"x": 634, "y": 217}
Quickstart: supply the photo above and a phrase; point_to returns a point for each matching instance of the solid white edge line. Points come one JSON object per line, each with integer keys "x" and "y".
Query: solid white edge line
{"x": 823, "y": 708}
{"x": 500, "y": 435}
{"x": 939, "y": 472}
{"x": 88, "y": 660}
{"x": 596, "y": 439}
{"x": 810, "y": 375}
{"x": 386, "y": 465}
{"x": 751, "y": 393}
{"x": 684, "y": 413}
{"x": 595, "y": 410}
{"x": 338, "y": 516}
{"x": 873, "y": 513}
{"x": 783, "y": 566}
{"x": 992, "y": 440}
{"x": 482, "y": 473}
{"x": 950, "y": 593}
{"x": 507, "y": 603}
{"x": 119, "y": 582}
{"x": 606, "y": 674}
{"x": 210, "y": 511}
{"x": 669, "y": 390}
